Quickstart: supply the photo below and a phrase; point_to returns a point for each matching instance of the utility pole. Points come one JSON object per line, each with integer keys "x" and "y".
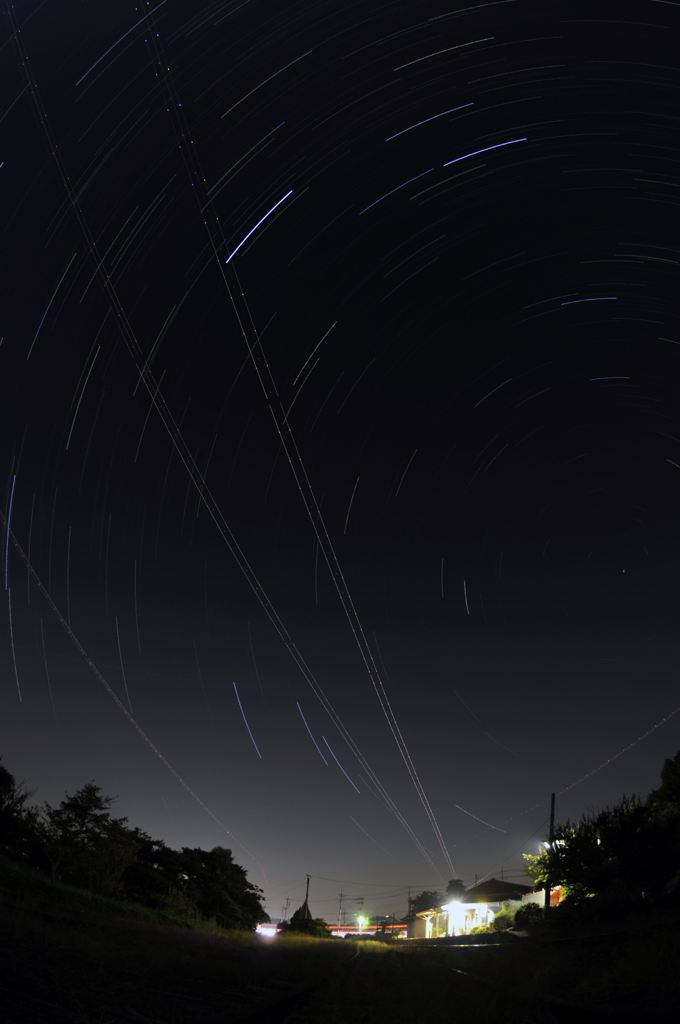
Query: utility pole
{"x": 551, "y": 840}
{"x": 341, "y": 897}
{"x": 284, "y": 909}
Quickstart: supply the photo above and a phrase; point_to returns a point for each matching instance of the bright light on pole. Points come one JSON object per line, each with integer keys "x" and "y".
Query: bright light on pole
{"x": 362, "y": 922}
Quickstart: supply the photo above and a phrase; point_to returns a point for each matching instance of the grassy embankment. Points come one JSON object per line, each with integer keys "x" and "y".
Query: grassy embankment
{"x": 71, "y": 956}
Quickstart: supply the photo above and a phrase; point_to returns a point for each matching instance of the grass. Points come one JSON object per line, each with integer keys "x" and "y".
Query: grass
{"x": 73, "y": 957}
{"x": 70, "y": 955}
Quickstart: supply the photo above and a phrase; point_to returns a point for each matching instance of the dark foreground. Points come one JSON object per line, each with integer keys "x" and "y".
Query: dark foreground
{"x": 71, "y": 958}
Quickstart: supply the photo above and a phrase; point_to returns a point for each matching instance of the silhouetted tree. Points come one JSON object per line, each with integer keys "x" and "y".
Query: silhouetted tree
{"x": 664, "y": 812}
{"x": 84, "y": 844}
{"x": 155, "y": 874}
{"x": 81, "y": 843}
{"x": 19, "y": 835}
{"x": 623, "y": 856}
{"x": 603, "y": 855}
{"x": 425, "y": 900}
{"x": 220, "y": 889}
{"x": 455, "y": 889}
{"x": 667, "y": 797}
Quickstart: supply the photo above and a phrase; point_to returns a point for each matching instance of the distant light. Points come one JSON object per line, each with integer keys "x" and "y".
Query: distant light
{"x": 362, "y": 921}
{"x": 268, "y": 931}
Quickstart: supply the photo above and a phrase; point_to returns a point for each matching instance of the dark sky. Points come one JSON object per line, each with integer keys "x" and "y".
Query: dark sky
{"x": 340, "y": 371}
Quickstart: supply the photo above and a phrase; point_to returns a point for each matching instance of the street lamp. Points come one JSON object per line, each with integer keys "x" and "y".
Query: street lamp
{"x": 362, "y": 922}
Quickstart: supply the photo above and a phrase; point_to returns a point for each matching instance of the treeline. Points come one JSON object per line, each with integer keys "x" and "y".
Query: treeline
{"x": 79, "y": 842}
{"x": 621, "y": 859}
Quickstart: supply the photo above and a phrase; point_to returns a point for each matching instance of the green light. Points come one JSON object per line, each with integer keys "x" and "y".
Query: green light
{"x": 362, "y": 921}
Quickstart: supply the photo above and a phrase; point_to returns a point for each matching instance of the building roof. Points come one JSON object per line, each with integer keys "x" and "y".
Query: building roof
{"x": 492, "y": 890}
{"x": 495, "y": 890}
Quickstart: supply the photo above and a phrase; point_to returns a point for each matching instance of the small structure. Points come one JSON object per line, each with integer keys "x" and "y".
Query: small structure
{"x": 303, "y": 915}
{"x": 430, "y": 924}
{"x": 476, "y": 909}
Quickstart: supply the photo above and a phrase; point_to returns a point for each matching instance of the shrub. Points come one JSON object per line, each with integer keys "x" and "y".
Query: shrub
{"x": 503, "y": 920}
{"x": 313, "y": 926}
{"x": 529, "y": 916}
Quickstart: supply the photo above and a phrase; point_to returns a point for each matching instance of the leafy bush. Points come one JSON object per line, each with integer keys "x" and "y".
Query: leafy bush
{"x": 529, "y": 916}
{"x": 503, "y": 920}
{"x": 312, "y": 926}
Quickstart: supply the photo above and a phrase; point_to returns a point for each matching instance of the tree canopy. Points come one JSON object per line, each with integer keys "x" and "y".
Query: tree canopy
{"x": 85, "y": 844}
{"x": 18, "y": 821}
{"x": 426, "y": 900}
{"x": 621, "y": 857}
{"x": 81, "y": 843}
{"x": 455, "y": 889}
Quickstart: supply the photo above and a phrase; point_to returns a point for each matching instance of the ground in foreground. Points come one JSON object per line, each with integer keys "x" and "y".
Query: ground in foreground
{"x": 69, "y": 957}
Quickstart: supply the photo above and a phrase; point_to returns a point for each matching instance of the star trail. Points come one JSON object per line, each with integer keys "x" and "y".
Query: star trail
{"x": 339, "y": 480}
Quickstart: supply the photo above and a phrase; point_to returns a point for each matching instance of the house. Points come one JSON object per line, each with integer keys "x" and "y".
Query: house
{"x": 557, "y": 895}
{"x": 476, "y": 909}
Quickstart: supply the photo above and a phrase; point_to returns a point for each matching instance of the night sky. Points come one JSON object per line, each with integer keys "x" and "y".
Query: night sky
{"x": 340, "y": 423}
